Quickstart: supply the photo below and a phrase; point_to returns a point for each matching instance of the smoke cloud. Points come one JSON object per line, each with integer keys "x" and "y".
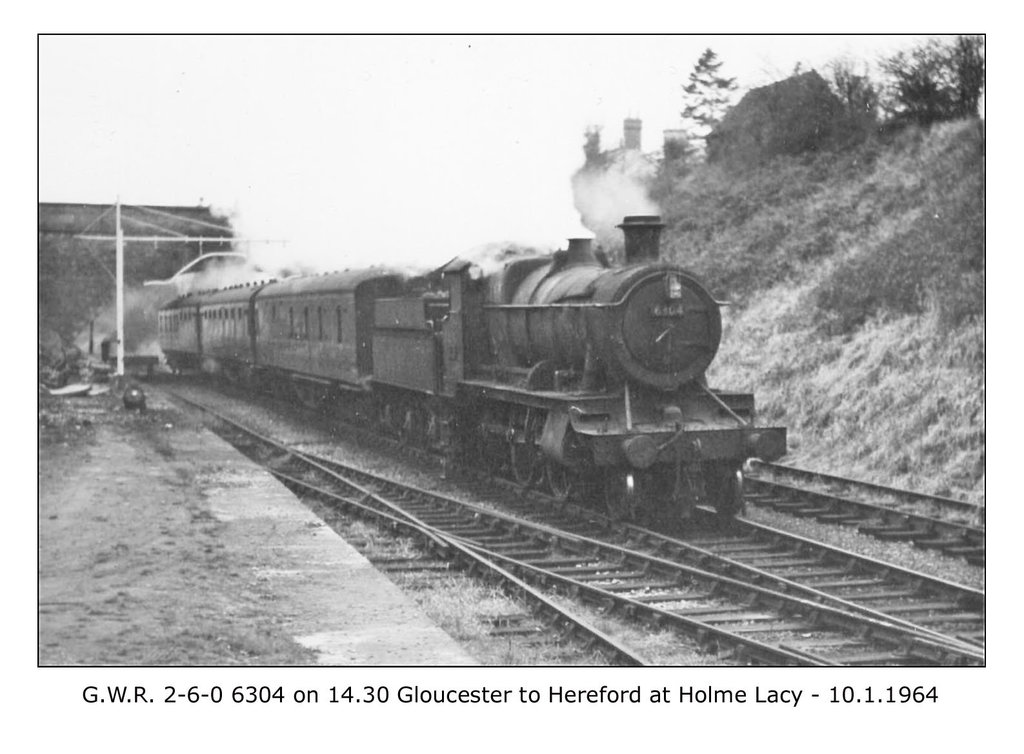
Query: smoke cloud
{"x": 603, "y": 196}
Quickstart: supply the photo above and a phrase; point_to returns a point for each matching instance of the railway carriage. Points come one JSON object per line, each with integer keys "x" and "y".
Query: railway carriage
{"x": 225, "y": 318}
{"x": 180, "y": 333}
{"x": 317, "y": 331}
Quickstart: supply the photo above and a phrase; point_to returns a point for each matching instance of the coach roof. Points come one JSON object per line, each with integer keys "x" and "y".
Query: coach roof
{"x": 331, "y": 282}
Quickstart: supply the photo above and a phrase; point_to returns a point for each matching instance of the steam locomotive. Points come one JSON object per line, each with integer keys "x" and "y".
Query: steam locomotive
{"x": 560, "y": 371}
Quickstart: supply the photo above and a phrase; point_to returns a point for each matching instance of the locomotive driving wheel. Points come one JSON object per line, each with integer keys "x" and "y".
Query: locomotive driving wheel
{"x": 309, "y": 395}
{"x": 619, "y": 495}
{"x": 724, "y": 488}
{"x": 413, "y": 427}
{"x": 524, "y": 455}
{"x": 560, "y": 480}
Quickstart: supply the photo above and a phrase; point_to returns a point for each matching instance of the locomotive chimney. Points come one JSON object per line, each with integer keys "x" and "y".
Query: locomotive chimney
{"x": 643, "y": 236}
{"x": 580, "y": 252}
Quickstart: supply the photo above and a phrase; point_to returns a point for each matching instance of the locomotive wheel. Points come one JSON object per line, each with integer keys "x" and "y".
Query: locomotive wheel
{"x": 432, "y": 430}
{"x": 392, "y": 419}
{"x": 523, "y": 451}
{"x": 247, "y": 377}
{"x": 619, "y": 495}
{"x": 310, "y": 396}
{"x": 724, "y": 489}
{"x": 560, "y": 480}
{"x": 413, "y": 427}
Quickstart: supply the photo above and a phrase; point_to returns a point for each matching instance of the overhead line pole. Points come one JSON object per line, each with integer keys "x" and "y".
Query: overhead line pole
{"x": 119, "y": 245}
{"x": 119, "y": 239}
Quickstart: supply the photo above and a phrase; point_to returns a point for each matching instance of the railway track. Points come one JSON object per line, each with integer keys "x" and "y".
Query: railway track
{"x": 935, "y": 505}
{"x": 786, "y": 562}
{"x": 746, "y": 622}
{"x": 888, "y": 522}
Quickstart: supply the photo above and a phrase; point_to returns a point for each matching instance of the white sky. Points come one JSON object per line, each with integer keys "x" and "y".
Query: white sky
{"x": 367, "y": 149}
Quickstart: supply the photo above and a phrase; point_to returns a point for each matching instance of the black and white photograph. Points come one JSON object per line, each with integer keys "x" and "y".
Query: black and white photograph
{"x": 563, "y": 352}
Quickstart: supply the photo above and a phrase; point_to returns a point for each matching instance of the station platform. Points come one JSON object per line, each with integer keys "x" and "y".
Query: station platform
{"x": 162, "y": 544}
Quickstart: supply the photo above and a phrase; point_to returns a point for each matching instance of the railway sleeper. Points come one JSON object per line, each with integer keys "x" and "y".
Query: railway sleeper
{"x": 776, "y": 627}
{"x": 847, "y": 582}
{"x": 773, "y": 564}
{"x": 966, "y": 551}
{"x": 835, "y": 641}
{"x": 923, "y": 607}
{"x": 739, "y": 547}
{"x": 638, "y": 585}
{"x": 569, "y": 570}
{"x": 500, "y": 537}
{"x": 931, "y": 542}
{"x": 548, "y": 563}
{"x": 500, "y": 543}
{"x": 840, "y": 518}
{"x": 813, "y": 573}
{"x": 534, "y": 553}
{"x": 765, "y": 553}
{"x": 805, "y": 510}
{"x": 875, "y": 658}
{"x": 882, "y": 594}
{"x": 672, "y": 597}
{"x": 443, "y": 521}
{"x": 611, "y": 575}
{"x": 725, "y": 614}
{"x": 471, "y": 531}
{"x": 950, "y": 618}
{"x": 780, "y": 556}
{"x": 973, "y": 637}
{"x": 891, "y": 533}
{"x": 708, "y": 543}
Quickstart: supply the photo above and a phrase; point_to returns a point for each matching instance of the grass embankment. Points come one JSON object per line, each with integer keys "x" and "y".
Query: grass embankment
{"x": 857, "y": 287}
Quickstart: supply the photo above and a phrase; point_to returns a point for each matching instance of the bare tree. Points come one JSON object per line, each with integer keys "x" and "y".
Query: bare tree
{"x": 855, "y": 90}
{"x": 935, "y": 81}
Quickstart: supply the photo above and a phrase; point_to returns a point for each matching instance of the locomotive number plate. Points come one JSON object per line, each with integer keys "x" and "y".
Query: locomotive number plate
{"x": 668, "y": 310}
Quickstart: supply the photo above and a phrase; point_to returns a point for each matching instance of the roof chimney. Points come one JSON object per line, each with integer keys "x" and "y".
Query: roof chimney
{"x": 643, "y": 237}
{"x": 631, "y": 133}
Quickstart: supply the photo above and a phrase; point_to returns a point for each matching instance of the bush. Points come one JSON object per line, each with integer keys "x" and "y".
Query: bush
{"x": 935, "y": 81}
{"x": 938, "y": 261}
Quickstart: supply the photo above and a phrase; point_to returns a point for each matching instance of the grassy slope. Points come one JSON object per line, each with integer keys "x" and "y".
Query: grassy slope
{"x": 857, "y": 287}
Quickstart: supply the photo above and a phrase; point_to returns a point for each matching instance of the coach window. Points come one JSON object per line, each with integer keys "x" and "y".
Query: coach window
{"x": 305, "y": 323}
{"x": 291, "y": 322}
{"x": 338, "y": 312}
{"x": 320, "y": 322}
